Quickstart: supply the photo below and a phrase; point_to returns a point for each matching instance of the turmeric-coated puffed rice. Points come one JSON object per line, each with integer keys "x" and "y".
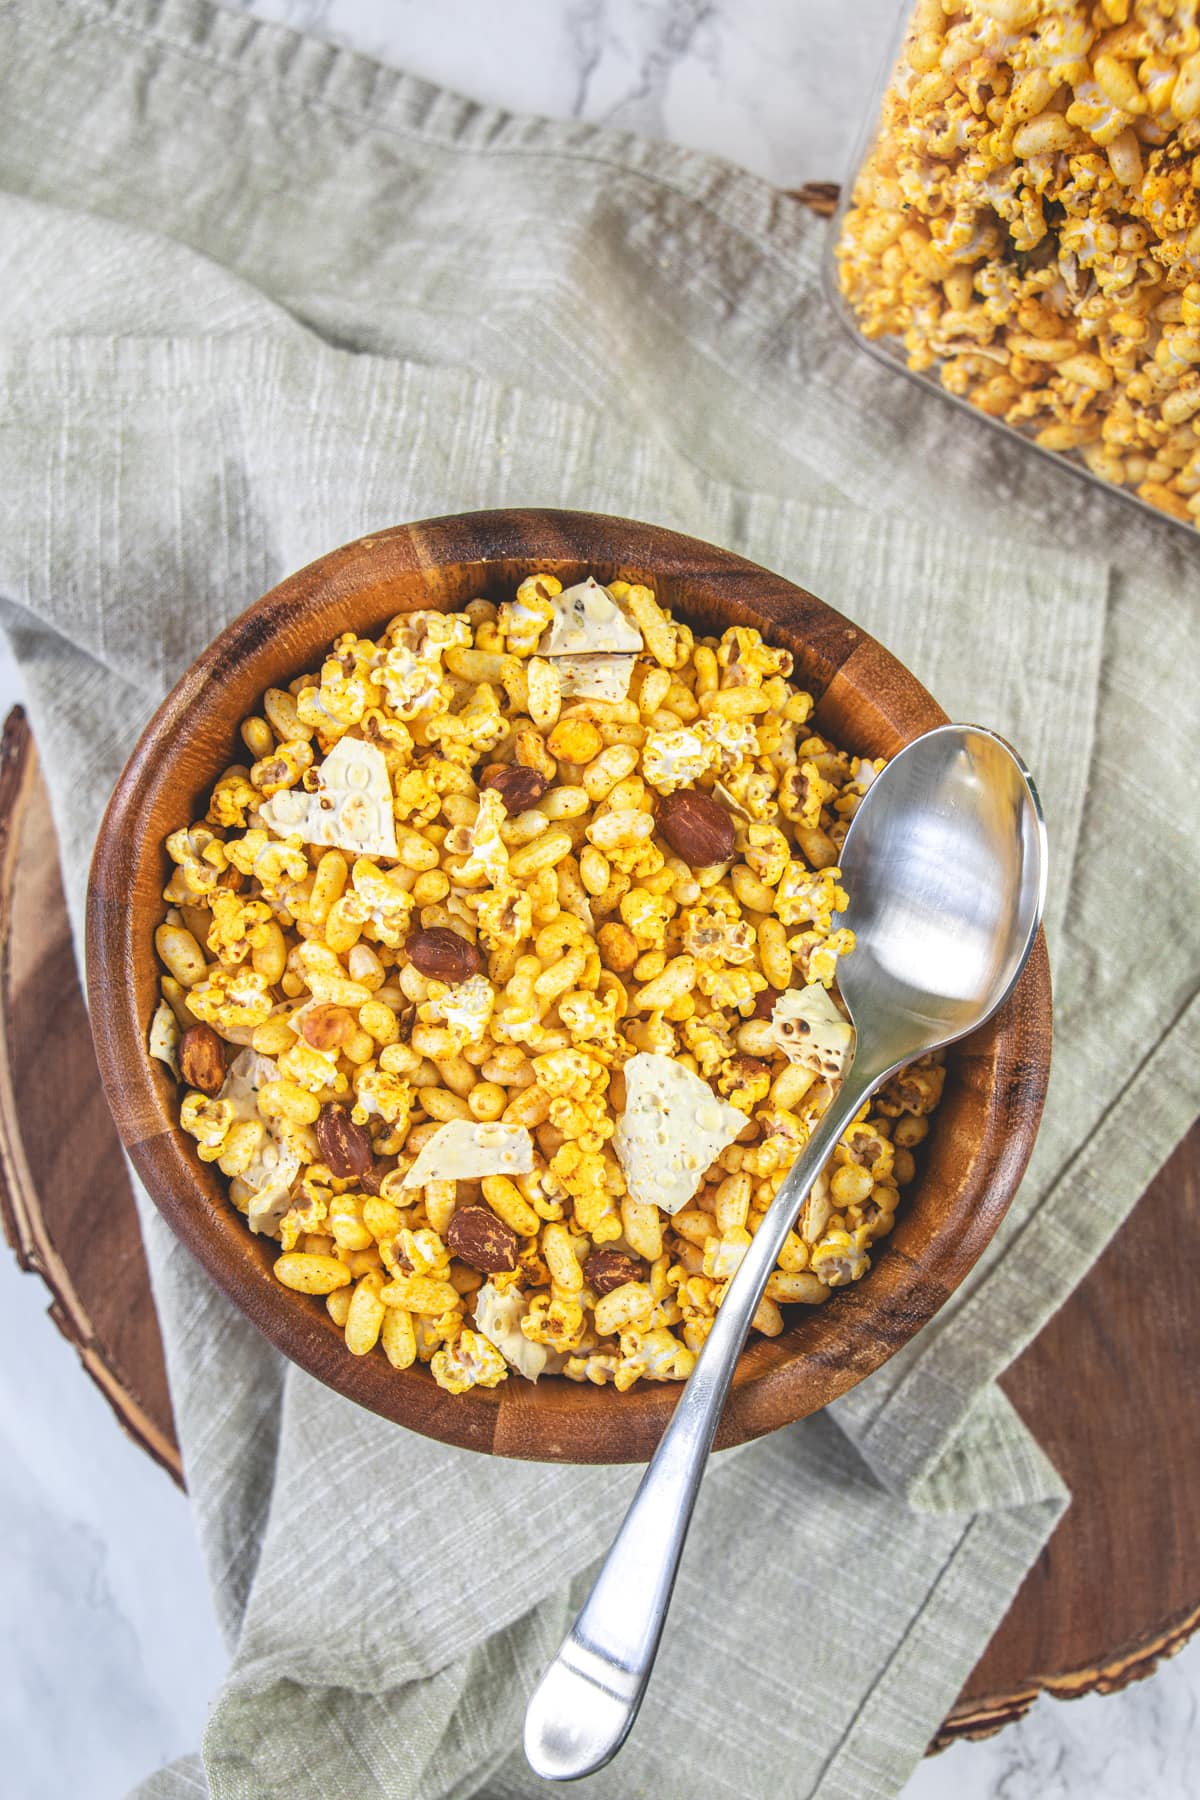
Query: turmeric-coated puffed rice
{"x": 510, "y": 1073}
{"x": 1027, "y": 225}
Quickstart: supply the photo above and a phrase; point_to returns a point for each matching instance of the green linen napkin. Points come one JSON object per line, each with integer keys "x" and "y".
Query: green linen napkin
{"x": 259, "y": 296}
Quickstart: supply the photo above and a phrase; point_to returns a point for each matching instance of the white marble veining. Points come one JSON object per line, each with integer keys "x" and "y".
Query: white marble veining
{"x": 780, "y": 86}
{"x": 111, "y": 1653}
{"x": 1140, "y": 1744}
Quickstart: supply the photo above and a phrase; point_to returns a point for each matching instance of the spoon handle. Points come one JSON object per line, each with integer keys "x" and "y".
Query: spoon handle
{"x": 586, "y": 1702}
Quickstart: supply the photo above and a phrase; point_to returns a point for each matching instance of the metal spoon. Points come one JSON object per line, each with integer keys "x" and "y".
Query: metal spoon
{"x": 945, "y": 865}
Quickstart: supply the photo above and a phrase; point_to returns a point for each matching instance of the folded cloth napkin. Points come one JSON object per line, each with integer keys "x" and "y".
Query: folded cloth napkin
{"x": 259, "y": 296}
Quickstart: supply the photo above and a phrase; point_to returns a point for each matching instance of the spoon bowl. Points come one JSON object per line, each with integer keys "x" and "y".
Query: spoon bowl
{"x": 947, "y": 882}
{"x": 945, "y": 867}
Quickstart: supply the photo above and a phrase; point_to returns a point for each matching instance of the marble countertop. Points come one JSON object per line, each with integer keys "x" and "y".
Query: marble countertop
{"x": 117, "y": 1654}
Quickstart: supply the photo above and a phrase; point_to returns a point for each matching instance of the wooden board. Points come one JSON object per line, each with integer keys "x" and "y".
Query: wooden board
{"x": 65, "y": 1199}
{"x": 1109, "y": 1389}
{"x": 1117, "y": 1587}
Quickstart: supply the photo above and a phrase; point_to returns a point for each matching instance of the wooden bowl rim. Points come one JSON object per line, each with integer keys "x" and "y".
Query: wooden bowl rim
{"x": 1003, "y": 1068}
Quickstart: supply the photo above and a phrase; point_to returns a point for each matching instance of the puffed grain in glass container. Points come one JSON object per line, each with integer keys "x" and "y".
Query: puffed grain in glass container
{"x": 1023, "y": 227}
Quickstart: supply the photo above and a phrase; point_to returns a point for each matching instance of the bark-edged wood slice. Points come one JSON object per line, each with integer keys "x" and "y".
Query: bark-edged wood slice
{"x": 65, "y": 1199}
{"x": 1109, "y": 1388}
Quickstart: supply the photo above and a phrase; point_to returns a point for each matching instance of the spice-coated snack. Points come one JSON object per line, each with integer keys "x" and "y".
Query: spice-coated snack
{"x": 1027, "y": 225}
{"x": 477, "y": 943}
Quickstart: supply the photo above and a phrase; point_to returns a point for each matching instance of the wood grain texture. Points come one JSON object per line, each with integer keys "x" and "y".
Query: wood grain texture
{"x": 1110, "y": 1390}
{"x": 65, "y": 1202}
{"x": 820, "y": 197}
{"x": 1116, "y": 1589}
{"x": 870, "y": 703}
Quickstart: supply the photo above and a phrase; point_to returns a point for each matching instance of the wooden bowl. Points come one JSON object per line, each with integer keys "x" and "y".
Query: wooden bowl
{"x": 868, "y": 702}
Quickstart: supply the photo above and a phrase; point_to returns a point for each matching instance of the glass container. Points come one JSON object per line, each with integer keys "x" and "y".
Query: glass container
{"x": 1022, "y": 228}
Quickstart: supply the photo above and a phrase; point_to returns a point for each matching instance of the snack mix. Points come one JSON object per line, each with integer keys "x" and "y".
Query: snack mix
{"x": 500, "y": 982}
{"x": 1028, "y": 222}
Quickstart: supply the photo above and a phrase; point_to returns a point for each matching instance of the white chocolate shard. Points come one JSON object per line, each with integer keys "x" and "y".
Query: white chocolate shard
{"x": 271, "y": 1175}
{"x": 163, "y": 1040}
{"x": 266, "y": 1182}
{"x": 351, "y": 809}
{"x": 464, "y": 1150}
{"x": 498, "y": 1317}
{"x": 248, "y": 1072}
{"x": 595, "y": 677}
{"x": 487, "y": 859}
{"x": 811, "y": 1032}
{"x": 672, "y": 1129}
{"x": 587, "y": 619}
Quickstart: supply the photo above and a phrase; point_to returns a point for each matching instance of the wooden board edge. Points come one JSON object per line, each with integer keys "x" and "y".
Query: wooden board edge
{"x": 820, "y": 197}
{"x": 20, "y": 1213}
{"x": 1136, "y": 1662}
